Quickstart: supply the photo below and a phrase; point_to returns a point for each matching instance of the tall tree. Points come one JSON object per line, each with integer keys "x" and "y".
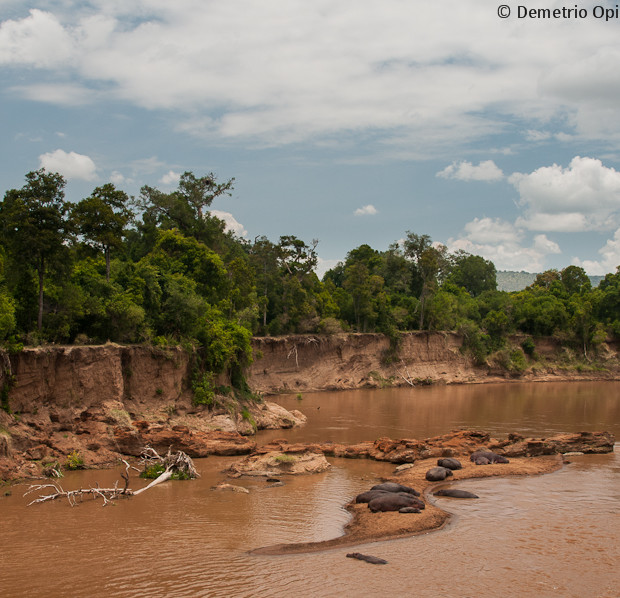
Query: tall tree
{"x": 430, "y": 264}
{"x": 102, "y": 218}
{"x": 34, "y": 223}
{"x": 473, "y": 273}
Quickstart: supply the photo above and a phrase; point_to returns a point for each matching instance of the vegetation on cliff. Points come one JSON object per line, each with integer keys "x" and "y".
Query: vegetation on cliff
{"x": 161, "y": 269}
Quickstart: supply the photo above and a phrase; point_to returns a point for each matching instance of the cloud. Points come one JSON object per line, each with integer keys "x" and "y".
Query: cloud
{"x": 584, "y": 196}
{"x": 504, "y": 244}
{"x": 368, "y": 210}
{"x": 38, "y": 40}
{"x": 325, "y": 265}
{"x": 466, "y": 171}
{"x": 170, "y": 178}
{"x": 71, "y": 165}
{"x": 232, "y": 224}
{"x": 418, "y": 78}
{"x": 117, "y": 178}
{"x": 609, "y": 262}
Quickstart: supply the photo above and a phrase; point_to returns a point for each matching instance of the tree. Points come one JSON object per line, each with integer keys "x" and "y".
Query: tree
{"x": 473, "y": 273}
{"x": 575, "y": 280}
{"x": 35, "y": 225}
{"x": 102, "y": 218}
{"x": 430, "y": 266}
{"x": 185, "y": 208}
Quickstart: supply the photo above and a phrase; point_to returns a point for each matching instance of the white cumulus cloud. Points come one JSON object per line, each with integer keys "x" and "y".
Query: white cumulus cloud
{"x": 70, "y": 164}
{"x": 610, "y": 260}
{"x": 504, "y": 244}
{"x": 466, "y": 171}
{"x": 583, "y": 196}
{"x": 39, "y": 40}
{"x": 368, "y": 210}
{"x": 170, "y": 178}
{"x": 231, "y": 222}
{"x": 419, "y": 77}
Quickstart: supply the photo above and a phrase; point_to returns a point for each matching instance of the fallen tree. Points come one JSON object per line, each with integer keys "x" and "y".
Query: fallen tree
{"x": 171, "y": 466}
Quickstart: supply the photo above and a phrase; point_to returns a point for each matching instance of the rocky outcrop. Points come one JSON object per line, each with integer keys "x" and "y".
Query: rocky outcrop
{"x": 277, "y": 463}
{"x": 460, "y": 442}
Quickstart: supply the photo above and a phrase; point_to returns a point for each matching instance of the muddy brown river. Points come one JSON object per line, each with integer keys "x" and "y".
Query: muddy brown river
{"x": 556, "y": 535}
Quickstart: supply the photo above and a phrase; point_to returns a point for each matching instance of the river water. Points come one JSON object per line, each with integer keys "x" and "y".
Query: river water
{"x": 554, "y": 535}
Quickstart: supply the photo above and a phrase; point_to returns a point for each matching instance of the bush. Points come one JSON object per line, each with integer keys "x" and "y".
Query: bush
{"x": 529, "y": 348}
{"x": 74, "y": 461}
{"x": 204, "y": 392}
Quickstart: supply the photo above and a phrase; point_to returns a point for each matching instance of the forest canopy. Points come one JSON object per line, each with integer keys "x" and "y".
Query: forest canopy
{"x": 162, "y": 269}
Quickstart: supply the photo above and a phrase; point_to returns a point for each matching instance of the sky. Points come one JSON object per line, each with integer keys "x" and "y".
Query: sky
{"x": 346, "y": 121}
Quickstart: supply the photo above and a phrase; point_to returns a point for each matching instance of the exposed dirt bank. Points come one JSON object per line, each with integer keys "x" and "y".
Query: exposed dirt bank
{"x": 312, "y": 363}
{"x": 109, "y": 401}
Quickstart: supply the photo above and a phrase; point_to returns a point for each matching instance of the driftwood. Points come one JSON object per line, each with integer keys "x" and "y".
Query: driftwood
{"x": 174, "y": 463}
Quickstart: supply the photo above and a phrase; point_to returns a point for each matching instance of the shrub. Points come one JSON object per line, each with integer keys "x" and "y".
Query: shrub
{"x": 74, "y": 460}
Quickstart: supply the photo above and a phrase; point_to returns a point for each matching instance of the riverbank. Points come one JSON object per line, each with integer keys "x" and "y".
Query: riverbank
{"x": 102, "y": 402}
{"x": 366, "y": 527}
{"x": 305, "y": 363}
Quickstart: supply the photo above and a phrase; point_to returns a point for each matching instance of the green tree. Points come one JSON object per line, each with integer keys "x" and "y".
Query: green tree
{"x": 575, "y": 280}
{"x": 35, "y": 225}
{"x": 102, "y": 218}
{"x": 430, "y": 265}
{"x": 473, "y": 273}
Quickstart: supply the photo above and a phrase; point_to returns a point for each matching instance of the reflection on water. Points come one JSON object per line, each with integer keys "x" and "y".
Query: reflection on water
{"x": 553, "y": 535}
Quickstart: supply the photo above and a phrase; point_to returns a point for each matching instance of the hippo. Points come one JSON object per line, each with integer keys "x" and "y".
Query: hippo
{"x": 454, "y": 493}
{"x": 449, "y": 463}
{"x": 370, "y": 494}
{"x": 409, "y": 510}
{"x": 394, "y": 502}
{"x": 375, "y": 560}
{"x": 437, "y": 474}
{"x": 492, "y": 457}
{"x": 480, "y": 460}
{"x": 394, "y": 487}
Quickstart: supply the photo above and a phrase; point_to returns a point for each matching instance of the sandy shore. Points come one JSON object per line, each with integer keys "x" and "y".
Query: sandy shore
{"x": 368, "y": 527}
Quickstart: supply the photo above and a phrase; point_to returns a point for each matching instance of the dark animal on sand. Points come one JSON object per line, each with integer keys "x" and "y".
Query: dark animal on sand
{"x": 449, "y": 463}
{"x": 409, "y": 510}
{"x": 394, "y": 502}
{"x": 394, "y": 487}
{"x": 437, "y": 474}
{"x": 492, "y": 457}
{"x": 375, "y": 560}
{"x": 370, "y": 494}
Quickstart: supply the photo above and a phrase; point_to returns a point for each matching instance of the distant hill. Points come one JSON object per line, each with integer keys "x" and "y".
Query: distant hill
{"x": 509, "y": 280}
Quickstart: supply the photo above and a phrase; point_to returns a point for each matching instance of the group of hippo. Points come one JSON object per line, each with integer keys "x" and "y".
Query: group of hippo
{"x": 391, "y": 496}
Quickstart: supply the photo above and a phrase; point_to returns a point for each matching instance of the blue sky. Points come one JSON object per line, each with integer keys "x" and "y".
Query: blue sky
{"x": 346, "y": 121}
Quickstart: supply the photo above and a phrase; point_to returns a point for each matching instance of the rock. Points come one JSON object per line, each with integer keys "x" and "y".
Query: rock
{"x": 271, "y": 416}
{"x": 403, "y": 467}
{"x": 279, "y": 463}
{"x": 231, "y": 488}
{"x": 181, "y": 438}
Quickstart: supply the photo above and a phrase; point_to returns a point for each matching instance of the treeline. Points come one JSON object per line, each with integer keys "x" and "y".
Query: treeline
{"x": 161, "y": 269}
